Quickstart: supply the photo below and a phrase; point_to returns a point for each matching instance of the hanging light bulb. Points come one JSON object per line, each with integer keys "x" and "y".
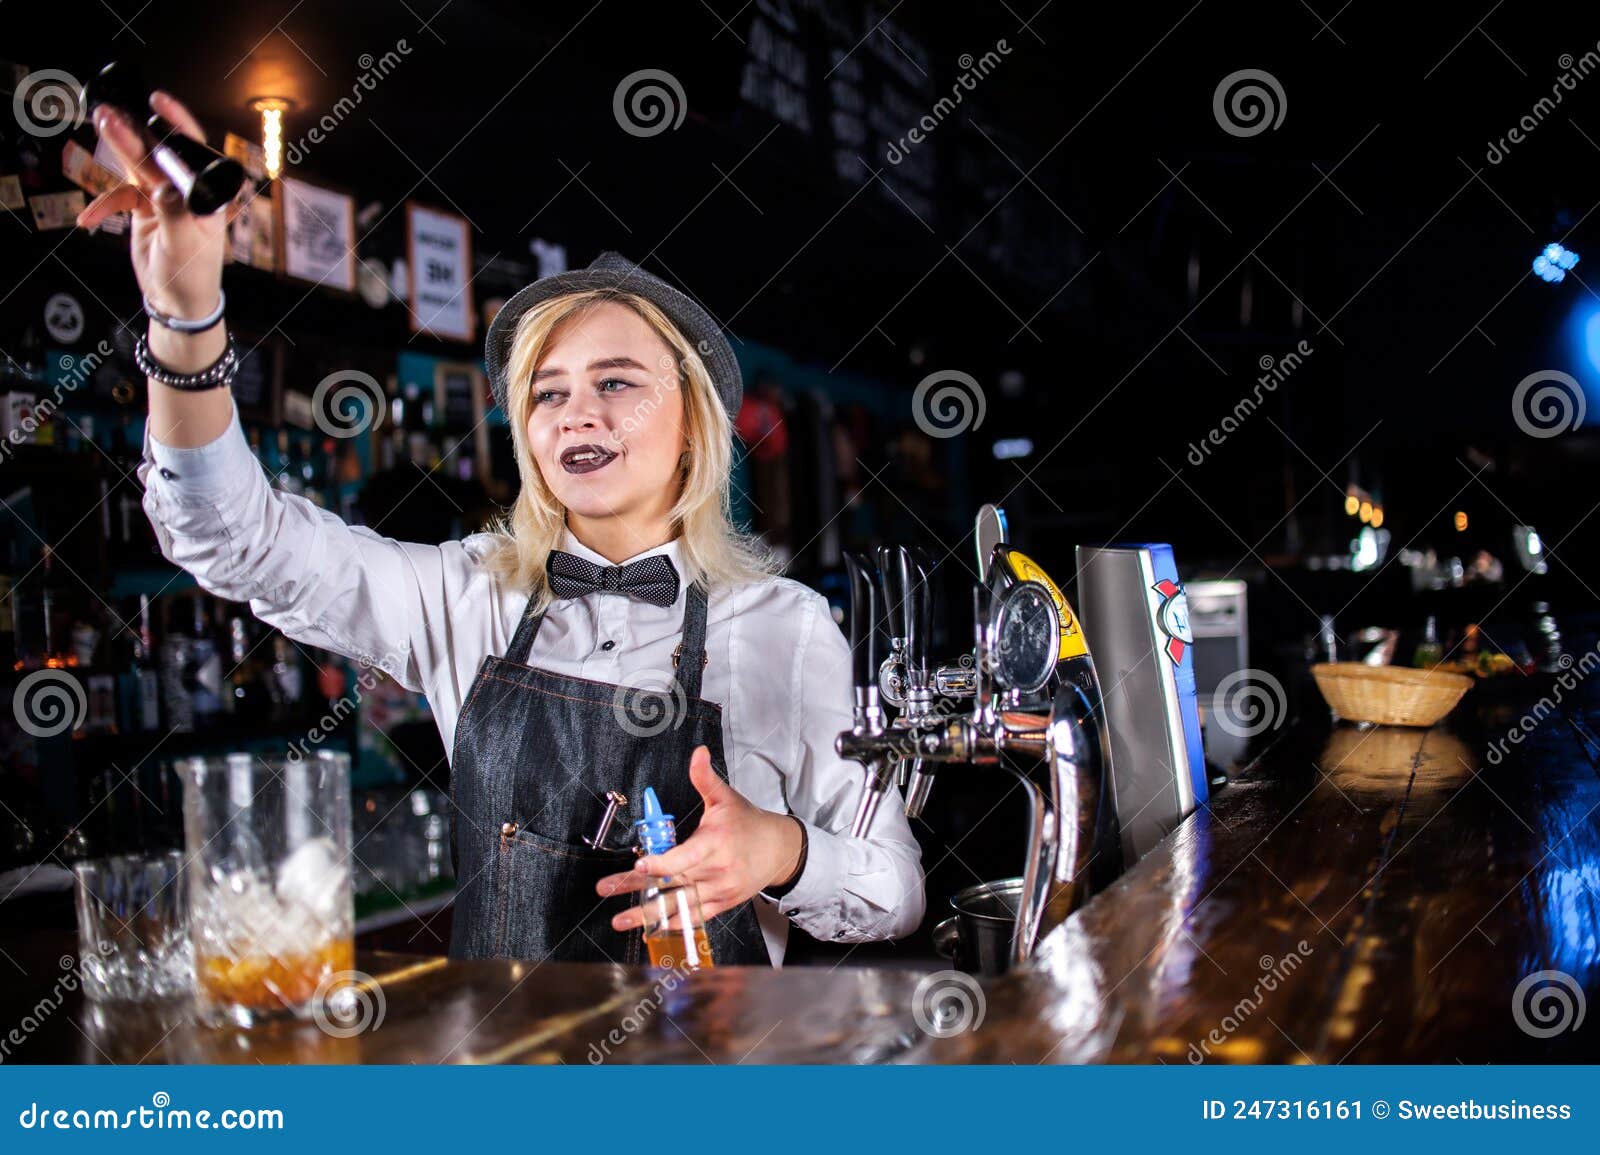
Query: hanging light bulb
{"x": 271, "y": 109}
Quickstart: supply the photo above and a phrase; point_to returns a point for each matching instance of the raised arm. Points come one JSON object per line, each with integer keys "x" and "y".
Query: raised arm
{"x": 303, "y": 570}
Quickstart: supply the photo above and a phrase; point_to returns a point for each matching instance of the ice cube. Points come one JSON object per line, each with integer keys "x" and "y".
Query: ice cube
{"x": 315, "y": 881}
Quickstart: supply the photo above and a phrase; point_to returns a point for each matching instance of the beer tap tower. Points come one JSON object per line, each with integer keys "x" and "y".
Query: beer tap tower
{"x": 1025, "y": 701}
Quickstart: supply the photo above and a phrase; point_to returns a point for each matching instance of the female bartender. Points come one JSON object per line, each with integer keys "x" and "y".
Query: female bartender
{"x": 616, "y": 573}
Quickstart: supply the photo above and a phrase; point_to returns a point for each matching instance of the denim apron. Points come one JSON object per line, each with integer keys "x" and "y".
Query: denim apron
{"x": 535, "y": 754}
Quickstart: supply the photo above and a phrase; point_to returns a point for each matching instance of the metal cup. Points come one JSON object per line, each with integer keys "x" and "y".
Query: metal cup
{"x": 978, "y": 937}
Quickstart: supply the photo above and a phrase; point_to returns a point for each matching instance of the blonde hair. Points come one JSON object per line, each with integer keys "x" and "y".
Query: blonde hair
{"x": 711, "y": 551}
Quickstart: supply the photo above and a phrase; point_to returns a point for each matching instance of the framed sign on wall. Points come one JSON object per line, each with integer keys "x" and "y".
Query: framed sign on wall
{"x": 317, "y": 227}
{"x": 439, "y": 254}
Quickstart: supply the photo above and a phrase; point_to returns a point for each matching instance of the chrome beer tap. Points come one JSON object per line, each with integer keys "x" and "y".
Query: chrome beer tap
{"x": 865, "y": 621}
{"x": 1025, "y": 700}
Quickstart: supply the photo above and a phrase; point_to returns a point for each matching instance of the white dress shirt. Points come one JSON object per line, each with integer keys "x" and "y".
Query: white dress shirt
{"x": 427, "y": 614}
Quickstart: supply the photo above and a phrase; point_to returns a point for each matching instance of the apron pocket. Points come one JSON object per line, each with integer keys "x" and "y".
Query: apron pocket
{"x": 547, "y": 907}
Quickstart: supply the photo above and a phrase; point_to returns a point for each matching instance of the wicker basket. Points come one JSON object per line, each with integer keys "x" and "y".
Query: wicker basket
{"x": 1389, "y": 695}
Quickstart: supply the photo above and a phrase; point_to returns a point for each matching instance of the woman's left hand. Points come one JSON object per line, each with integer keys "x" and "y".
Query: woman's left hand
{"x": 737, "y": 851}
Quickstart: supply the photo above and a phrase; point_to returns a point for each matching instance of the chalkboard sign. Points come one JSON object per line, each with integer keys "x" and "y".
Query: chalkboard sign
{"x": 252, "y": 387}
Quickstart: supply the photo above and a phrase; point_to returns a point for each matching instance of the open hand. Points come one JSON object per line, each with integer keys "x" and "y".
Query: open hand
{"x": 737, "y": 851}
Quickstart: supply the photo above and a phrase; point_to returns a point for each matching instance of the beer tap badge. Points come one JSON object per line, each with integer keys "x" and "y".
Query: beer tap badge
{"x": 1173, "y": 616}
{"x": 1073, "y": 643}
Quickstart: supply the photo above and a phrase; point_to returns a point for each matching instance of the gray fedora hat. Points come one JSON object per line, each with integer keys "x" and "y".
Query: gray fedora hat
{"x": 613, "y": 271}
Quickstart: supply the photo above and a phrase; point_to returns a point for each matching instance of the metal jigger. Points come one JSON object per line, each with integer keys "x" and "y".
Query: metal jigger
{"x": 207, "y": 179}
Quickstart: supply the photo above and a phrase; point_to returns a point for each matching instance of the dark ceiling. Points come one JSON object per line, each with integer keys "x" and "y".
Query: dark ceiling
{"x": 1091, "y": 224}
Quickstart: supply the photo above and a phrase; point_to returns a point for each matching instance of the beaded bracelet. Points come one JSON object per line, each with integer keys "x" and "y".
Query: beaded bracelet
{"x": 219, "y": 373}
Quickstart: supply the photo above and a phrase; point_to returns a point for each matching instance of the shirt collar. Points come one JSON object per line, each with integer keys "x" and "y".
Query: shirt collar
{"x": 571, "y": 544}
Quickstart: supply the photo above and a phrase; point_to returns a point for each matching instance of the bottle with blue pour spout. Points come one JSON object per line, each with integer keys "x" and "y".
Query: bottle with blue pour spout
{"x": 674, "y": 929}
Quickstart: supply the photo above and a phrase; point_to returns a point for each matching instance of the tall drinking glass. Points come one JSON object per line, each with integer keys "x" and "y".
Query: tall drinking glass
{"x": 268, "y": 843}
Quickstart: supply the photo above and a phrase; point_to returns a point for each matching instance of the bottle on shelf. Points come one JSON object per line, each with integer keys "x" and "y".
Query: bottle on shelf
{"x": 53, "y": 600}
{"x": 674, "y": 927}
{"x": 32, "y": 380}
{"x": 138, "y": 683}
{"x": 285, "y": 469}
{"x": 286, "y": 683}
{"x": 1429, "y": 652}
{"x": 100, "y": 717}
{"x": 246, "y": 693}
{"x": 177, "y": 664}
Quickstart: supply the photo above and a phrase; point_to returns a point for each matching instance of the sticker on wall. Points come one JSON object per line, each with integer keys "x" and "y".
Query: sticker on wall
{"x": 63, "y": 319}
{"x": 58, "y": 210}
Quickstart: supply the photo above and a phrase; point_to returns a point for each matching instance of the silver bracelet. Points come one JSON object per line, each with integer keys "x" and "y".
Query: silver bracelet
{"x": 178, "y": 325}
{"x": 219, "y": 373}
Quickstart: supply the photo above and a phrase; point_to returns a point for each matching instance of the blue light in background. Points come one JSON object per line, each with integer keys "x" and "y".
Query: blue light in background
{"x": 1553, "y": 262}
{"x": 1581, "y": 342}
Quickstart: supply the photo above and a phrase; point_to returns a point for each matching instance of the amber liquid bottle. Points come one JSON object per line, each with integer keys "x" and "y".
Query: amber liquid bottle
{"x": 674, "y": 928}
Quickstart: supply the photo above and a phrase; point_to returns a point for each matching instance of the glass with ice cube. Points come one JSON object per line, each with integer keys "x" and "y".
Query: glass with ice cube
{"x": 270, "y": 905}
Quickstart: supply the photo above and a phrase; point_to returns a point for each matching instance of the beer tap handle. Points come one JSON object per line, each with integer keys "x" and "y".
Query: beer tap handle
{"x": 919, "y": 582}
{"x": 865, "y": 615}
{"x": 897, "y": 580}
{"x": 894, "y": 591}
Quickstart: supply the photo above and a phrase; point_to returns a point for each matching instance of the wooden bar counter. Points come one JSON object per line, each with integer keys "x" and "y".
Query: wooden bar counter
{"x": 1353, "y": 895}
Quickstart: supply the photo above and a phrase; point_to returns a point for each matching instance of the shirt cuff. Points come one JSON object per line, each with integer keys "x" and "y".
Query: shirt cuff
{"x": 197, "y": 475}
{"x": 777, "y": 892}
{"x": 821, "y": 881}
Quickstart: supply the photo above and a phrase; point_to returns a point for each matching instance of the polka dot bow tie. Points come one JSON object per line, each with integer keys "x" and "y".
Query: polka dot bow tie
{"x": 651, "y": 579}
